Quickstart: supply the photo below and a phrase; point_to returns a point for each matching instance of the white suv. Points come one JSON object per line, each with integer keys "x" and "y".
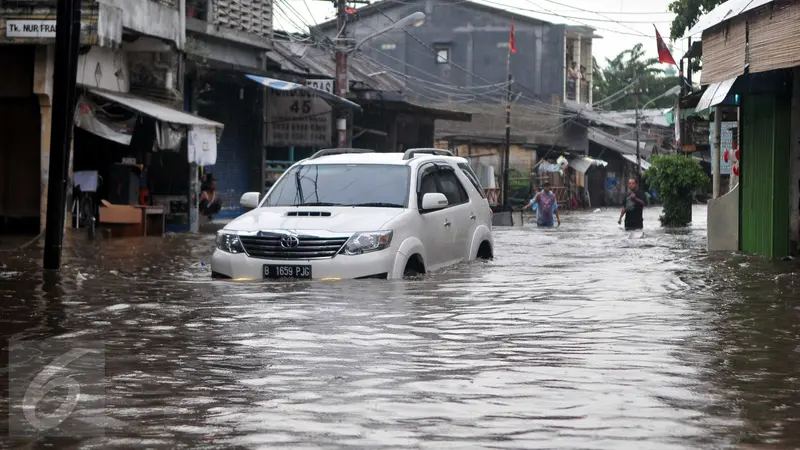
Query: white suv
{"x": 351, "y": 213}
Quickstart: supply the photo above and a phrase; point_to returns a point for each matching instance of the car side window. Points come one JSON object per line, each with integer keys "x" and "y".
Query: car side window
{"x": 427, "y": 185}
{"x": 472, "y": 178}
{"x": 452, "y": 188}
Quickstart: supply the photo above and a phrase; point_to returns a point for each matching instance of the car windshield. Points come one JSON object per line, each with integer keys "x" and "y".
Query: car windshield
{"x": 367, "y": 185}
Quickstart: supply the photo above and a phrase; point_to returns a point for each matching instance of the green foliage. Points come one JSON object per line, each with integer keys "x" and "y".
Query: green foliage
{"x": 687, "y": 12}
{"x": 675, "y": 178}
{"x": 622, "y": 70}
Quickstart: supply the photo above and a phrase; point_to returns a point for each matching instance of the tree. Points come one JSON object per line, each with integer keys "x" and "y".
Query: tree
{"x": 621, "y": 71}
{"x": 687, "y": 12}
{"x": 675, "y": 178}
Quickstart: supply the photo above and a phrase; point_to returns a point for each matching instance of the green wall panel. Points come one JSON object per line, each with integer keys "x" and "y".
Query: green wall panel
{"x": 765, "y": 175}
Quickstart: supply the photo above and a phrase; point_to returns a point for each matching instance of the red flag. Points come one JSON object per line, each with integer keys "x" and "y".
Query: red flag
{"x": 664, "y": 55}
{"x": 512, "y": 40}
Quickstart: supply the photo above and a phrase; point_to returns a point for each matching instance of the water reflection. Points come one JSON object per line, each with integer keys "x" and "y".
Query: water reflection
{"x": 583, "y": 336}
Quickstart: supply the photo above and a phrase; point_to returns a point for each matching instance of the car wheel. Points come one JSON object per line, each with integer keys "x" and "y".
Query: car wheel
{"x": 485, "y": 251}
{"x": 414, "y": 267}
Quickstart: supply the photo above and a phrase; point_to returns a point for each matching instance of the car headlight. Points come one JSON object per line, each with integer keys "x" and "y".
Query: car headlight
{"x": 366, "y": 242}
{"x": 229, "y": 242}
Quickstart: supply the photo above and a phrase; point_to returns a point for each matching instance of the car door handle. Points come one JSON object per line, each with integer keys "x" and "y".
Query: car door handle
{"x": 473, "y": 216}
{"x": 446, "y": 223}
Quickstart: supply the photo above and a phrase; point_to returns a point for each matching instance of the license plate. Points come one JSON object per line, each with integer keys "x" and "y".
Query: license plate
{"x": 286, "y": 271}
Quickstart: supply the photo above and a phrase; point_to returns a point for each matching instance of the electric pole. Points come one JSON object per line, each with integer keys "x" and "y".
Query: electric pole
{"x": 638, "y": 90}
{"x": 68, "y": 26}
{"x": 507, "y": 154}
{"x": 638, "y": 156}
{"x": 342, "y": 87}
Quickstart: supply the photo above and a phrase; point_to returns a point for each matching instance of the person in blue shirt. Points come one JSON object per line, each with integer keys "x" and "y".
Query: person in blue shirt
{"x": 545, "y": 206}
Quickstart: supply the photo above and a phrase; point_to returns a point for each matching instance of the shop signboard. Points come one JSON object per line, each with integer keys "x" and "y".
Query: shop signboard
{"x": 298, "y": 118}
{"x": 25, "y": 27}
{"x": 31, "y": 28}
{"x": 322, "y": 85}
{"x": 726, "y": 143}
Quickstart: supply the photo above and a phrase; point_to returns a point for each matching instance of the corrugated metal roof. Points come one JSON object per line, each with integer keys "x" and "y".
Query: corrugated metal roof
{"x": 319, "y": 62}
{"x": 593, "y": 116}
{"x": 724, "y": 12}
{"x": 715, "y": 94}
{"x": 642, "y": 163}
{"x": 160, "y": 112}
{"x": 628, "y": 117}
{"x": 616, "y": 144}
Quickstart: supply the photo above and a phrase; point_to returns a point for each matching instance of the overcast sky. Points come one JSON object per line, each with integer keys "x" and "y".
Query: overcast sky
{"x": 621, "y": 23}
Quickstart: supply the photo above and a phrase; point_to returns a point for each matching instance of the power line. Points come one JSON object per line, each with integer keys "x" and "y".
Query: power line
{"x": 549, "y": 12}
{"x": 587, "y": 11}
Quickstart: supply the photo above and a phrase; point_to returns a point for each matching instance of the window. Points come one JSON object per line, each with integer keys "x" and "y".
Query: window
{"x": 442, "y": 55}
{"x": 427, "y": 184}
{"x": 472, "y": 178}
{"x": 367, "y": 185}
{"x": 452, "y": 188}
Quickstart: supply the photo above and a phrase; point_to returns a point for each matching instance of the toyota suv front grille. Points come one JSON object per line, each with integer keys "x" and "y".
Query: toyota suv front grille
{"x": 282, "y": 246}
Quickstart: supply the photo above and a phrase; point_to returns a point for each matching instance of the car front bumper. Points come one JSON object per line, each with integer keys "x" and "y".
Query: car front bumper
{"x": 241, "y": 266}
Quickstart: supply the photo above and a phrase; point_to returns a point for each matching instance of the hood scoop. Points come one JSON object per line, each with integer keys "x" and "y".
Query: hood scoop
{"x": 308, "y": 214}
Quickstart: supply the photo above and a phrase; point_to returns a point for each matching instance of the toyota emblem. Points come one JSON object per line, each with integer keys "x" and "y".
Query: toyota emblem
{"x": 290, "y": 241}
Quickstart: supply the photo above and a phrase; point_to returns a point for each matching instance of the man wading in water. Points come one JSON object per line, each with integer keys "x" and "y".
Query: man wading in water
{"x": 546, "y": 206}
{"x": 633, "y": 208}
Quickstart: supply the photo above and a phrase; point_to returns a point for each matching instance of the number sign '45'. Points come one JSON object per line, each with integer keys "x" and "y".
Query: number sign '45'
{"x": 301, "y": 107}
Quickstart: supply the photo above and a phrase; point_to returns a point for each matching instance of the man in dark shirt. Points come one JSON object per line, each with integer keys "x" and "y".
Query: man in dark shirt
{"x": 633, "y": 208}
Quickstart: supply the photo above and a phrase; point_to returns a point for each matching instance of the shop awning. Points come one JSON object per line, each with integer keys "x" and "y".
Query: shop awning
{"x": 157, "y": 111}
{"x": 280, "y": 85}
{"x": 715, "y": 94}
{"x": 202, "y": 133}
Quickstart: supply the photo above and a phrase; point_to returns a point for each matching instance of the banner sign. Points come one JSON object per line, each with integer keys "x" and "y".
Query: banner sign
{"x": 726, "y": 143}
{"x": 298, "y": 118}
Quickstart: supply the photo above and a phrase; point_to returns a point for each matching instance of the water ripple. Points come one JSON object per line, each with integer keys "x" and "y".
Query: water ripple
{"x": 584, "y": 336}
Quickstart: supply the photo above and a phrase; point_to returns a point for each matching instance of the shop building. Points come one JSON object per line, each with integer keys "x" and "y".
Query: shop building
{"x": 128, "y": 125}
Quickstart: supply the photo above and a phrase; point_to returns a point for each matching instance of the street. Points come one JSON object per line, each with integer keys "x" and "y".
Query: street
{"x": 575, "y": 337}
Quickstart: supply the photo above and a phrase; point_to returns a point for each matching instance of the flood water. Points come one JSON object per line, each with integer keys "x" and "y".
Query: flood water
{"x": 578, "y": 337}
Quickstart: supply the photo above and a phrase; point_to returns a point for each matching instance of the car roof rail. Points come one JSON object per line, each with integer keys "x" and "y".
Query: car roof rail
{"x": 339, "y": 151}
{"x": 426, "y": 151}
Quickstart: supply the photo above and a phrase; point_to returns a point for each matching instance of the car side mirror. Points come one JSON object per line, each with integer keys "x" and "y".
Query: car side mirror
{"x": 250, "y": 200}
{"x": 434, "y": 201}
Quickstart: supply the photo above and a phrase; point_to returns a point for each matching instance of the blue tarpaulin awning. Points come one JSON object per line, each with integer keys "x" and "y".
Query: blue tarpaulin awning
{"x": 334, "y": 100}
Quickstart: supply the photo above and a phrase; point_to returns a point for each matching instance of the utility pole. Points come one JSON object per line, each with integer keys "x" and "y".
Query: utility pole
{"x": 507, "y": 154}
{"x": 341, "y": 69}
{"x": 68, "y": 26}
{"x": 638, "y": 157}
{"x": 716, "y": 178}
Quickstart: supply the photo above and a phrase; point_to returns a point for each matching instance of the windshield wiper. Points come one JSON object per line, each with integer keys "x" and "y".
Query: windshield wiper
{"x": 318, "y": 204}
{"x": 379, "y": 205}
